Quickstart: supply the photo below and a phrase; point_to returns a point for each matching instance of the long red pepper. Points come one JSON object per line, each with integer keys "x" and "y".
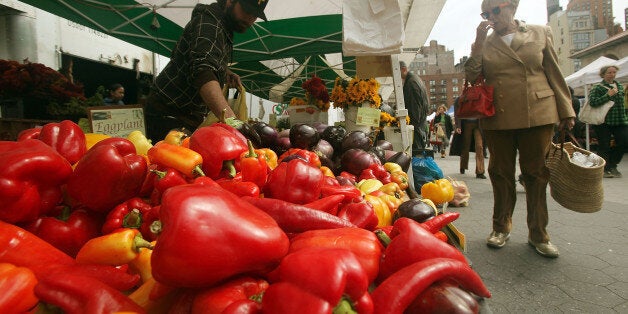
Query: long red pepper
{"x": 328, "y": 204}
{"x": 297, "y": 218}
{"x": 395, "y": 293}
{"x": 438, "y": 222}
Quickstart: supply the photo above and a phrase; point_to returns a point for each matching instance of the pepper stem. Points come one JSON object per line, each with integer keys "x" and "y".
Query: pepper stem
{"x": 199, "y": 171}
{"x": 133, "y": 219}
{"x": 139, "y": 242}
{"x": 251, "y": 153}
{"x": 228, "y": 165}
{"x": 383, "y": 237}
{"x": 158, "y": 173}
{"x": 344, "y": 307}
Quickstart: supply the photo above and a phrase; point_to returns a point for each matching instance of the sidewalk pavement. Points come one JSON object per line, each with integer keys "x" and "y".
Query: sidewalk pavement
{"x": 591, "y": 274}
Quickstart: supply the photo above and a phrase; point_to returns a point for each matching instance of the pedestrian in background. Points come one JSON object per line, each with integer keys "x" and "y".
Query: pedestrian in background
{"x": 472, "y": 140}
{"x": 616, "y": 122}
{"x": 531, "y": 96}
{"x": 417, "y": 104}
{"x": 115, "y": 94}
{"x": 441, "y": 129}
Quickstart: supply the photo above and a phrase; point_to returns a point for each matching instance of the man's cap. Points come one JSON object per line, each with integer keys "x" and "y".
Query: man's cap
{"x": 402, "y": 64}
{"x": 255, "y": 7}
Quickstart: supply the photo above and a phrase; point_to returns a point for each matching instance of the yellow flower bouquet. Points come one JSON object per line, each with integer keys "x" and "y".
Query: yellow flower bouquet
{"x": 355, "y": 93}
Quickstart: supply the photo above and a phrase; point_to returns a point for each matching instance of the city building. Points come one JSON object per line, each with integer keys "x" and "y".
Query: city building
{"x": 601, "y": 13}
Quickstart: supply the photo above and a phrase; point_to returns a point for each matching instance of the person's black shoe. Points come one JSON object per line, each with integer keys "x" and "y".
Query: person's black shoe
{"x": 480, "y": 176}
{"x": 461, "y": 171}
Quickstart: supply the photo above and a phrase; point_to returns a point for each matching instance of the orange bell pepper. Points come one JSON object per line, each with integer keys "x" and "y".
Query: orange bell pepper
{"x": 401, "y": 178}
{"x": 117, "y": 248}
{"x": 269, "y": 155}
{"x": 93, "y": 138}
{"x": 175, "y": 137}
{"x": 382, "y": 211}
{"x": 180, "y": 158}
{"x": 439, "y": 191}
{"x": 17, "y": 285}
{"x": 141, "y": 263}
{"x": 327, "y": 172}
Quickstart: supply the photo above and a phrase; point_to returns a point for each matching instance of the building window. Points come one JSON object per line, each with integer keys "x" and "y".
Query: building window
{"x": 454, "y": 81}
{"x": 432, "y": 98}
{"x": 443, "y": 97}
{"x": 443, "y": 82}
{"x": 432, "y": 90}
{"x": 455, "y": 88}
{"x": 443, "y": 90}
{"x": 432, "y": 82}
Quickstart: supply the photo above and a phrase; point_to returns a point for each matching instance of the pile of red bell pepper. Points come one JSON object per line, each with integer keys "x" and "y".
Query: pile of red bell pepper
{"x": 212, "y": 224}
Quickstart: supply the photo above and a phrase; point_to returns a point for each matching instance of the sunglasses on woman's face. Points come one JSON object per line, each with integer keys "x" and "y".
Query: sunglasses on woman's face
{"x": 494, "y": 11}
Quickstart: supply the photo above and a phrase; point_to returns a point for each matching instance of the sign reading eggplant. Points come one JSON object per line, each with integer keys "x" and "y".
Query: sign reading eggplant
{"x": 117, "y": 121}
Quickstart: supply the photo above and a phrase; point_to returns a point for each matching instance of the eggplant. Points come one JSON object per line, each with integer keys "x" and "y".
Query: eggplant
{"x": 403, "y": 159}
{"x": 384, "y": 144}
{"x": 249, "y": 132}
{"x": 379, "y": 153}
{"x": 356, "y": 139}
{"x": 324, "y": 148}
{"x": 355, "y": 160}
{"x": 416, "y": 210}
{"x": 267, "y": 134}
{"x": 303, "y": 136}
{"x": 281, "y": 145}
{"x": 334, "y": 135}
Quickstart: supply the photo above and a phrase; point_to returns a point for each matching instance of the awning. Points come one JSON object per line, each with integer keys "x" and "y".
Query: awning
{"x": 300, "y": 39}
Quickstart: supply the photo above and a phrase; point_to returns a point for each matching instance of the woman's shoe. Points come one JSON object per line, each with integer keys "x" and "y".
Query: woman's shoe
{"x": 480, "y": 176}
{"x": 615, "y": 173}
{"x": 545, "y": 249}
{"x": 497, "y": 239}
{"x": 461, "y": 171}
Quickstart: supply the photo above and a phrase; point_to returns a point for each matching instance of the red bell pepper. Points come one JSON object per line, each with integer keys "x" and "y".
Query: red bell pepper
{"x": 294, "y": 181}
{"x": 68, "y": 231}
{"x": 164, "y": 180}
{"x": 81, "y": 294}
{"x": 115, "y": 249}
{"x": 17, "y": 285}
{"x": 31, "y": 177}
{"x": 240, "y": 188}
{"x": 32, "y": 133}
{"x": 219, "y": 147}
{"x": 328, "y": 204}
{"x": 151, "y": 225}
{"x": 396, "y": 293}
{"x": 380, "y": 173}
{"x": 233, "y": 293}
{"x": 253, "y": 166}
{"x": 362, "y": 214}
{"x": 247, "y": 239}
{"x": 363, "y": 243}
{"x": 308, "y": 156}
{"x": 109, "y": 174}
{"x": 412, "y": 243}
{"x": 350, "y": 192}
{"x": 333, "y": 275}
{"x": 295, "y": 218}
{"x": 66, "y": 137}
{"x": 178, "y": 157}
{"x": 128, "y": 214}
{"x": 349, "y": 177}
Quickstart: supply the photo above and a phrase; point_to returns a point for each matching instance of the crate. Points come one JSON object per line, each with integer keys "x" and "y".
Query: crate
{"x": 393, "y": 135}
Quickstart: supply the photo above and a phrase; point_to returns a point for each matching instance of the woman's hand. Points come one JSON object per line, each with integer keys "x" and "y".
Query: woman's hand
{"x": 482, "y": 31}
{"x": 613, "y": 91}
{"x": 567, "y": 124}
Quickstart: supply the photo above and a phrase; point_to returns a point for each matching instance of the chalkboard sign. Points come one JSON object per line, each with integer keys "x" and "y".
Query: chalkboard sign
{"x": 117, "y": 121}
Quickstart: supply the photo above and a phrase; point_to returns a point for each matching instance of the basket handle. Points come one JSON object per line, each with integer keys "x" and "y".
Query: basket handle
{"x": 562, "y": 135}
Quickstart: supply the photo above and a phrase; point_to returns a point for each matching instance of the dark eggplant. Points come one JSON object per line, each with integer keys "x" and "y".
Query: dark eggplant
{"x": 327, "y": 162}
{"x": 249, "y": 132}
{"x": 403, "y": 159}
{"x": 324, "y": 148}
{"x": 355, "y": 160}
{"x": 356, "y": 139}
{"x": 281, "y": 145}
{"x": 384, "y": 144}
{"x": 379, "y": 153}
{"x": 267, "y": 134}
{"x": 293, "y": 156}
{"x": 416, "y": 210}
{"x": 303, "y": 136}
{"x": 334, "y": 135}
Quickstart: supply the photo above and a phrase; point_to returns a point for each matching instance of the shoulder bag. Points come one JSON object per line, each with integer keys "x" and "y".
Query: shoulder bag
{"x": 595, "y": 115}
{"x": 476, "y": 101}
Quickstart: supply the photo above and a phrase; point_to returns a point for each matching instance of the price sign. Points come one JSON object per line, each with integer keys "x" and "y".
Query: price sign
{"x": 367, "y": 116}
{"x": 117, "y": 121}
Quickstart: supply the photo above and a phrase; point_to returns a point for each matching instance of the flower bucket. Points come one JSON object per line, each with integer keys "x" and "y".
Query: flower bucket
{"x": 351, "y": 115}
{"x": 303, "y": 114}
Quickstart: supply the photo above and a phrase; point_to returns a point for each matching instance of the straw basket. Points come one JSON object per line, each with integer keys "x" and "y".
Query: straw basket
{"x": 575, "y": 187}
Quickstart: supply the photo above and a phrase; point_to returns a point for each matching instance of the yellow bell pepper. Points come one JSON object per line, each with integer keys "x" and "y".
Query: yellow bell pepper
{"x": 393, "y": 167}
{"x": 401, "y": 178}
{"x": 384, "y": 215}
{"x": 175, "y": 137}
{"x": 439, "y": 191}
{"x": 141, "y": 143}
{"x": 369, "y": 185}
{"x": 93, "y": 138}
{"x": 326, "y": 171}
{"x": 391, "y": 188}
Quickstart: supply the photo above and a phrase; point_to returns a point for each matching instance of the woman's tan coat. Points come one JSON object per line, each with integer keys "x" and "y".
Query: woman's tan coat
{"x": 529, "y": 88}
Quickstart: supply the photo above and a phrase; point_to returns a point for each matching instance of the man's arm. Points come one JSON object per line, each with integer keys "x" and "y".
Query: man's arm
{"x": 212, "y": 95}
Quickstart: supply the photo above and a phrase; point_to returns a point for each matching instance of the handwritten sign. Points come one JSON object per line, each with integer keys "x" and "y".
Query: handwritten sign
{"x": 368, "y": 116}
{"x": 117, "y": 121}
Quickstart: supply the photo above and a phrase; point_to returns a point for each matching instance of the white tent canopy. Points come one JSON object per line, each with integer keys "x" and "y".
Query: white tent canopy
{"x": 590, "y": 74}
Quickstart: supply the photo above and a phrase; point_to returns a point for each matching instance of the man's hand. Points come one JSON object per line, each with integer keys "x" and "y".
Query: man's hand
{"x": 233, "y": 80}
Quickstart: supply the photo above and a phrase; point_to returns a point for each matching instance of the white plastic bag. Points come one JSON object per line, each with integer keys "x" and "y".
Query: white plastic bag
{"x": 371, "y": 28}
{"x": 461, "y": 194}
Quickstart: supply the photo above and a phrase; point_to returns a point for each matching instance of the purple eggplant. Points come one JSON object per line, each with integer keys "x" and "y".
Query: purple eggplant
{"x": 355, "y": 160}
{"x": 303, "y": 136}
{"x": 356, "y": 139}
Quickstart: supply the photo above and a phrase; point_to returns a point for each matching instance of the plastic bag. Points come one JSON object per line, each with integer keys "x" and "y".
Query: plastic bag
{"x": 461, "y": 194}
{"x": 237, "y": 104}
{"x": 425, "y": 169}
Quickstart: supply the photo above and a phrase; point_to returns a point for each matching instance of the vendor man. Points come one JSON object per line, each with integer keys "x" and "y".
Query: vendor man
{"x": 191, "y": 83}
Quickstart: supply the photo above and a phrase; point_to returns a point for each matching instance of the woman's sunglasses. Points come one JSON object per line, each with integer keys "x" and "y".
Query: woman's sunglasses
{"x": 494, "y": 11}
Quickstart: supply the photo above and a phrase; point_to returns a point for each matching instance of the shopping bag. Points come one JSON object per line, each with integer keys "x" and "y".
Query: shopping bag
{"x": 461, "y": 194}
{"x": 237, "y": 104}
{"x": 476, "y": 101}
{"x": 425, "y": 169}
{"x": 594, "y": 115}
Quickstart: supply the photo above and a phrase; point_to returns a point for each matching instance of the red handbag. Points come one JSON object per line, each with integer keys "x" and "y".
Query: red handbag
{"x": 476, "y": 101}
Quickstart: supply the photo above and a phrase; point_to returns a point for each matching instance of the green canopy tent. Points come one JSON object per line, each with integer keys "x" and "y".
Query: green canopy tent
{"x": 301, "y": 38}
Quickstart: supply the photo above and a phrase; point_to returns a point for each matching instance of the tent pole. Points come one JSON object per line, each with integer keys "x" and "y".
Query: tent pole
{"x": 586, "y": 126}
{"x": 402, "y": 112}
